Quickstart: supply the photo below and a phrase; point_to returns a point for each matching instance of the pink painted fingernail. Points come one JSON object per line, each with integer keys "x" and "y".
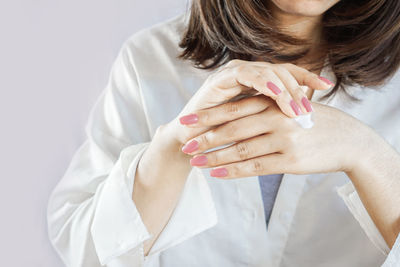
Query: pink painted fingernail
{"x": 325, "y": 80}
{"x": 189, "y": 119}
{"x": 306, "y": 104}
{"x": 273, "y": 88}
{"x": 219, "y": 172}
{"x": 295, "y": 107}
{"x": 190, "y": 147}
{"x": 199, "y": 161}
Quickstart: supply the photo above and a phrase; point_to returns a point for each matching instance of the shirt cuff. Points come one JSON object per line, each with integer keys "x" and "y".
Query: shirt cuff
{"x": 117, "y": 227}
{"x": 393, "y": 259}
{"x": 195, "y": 212}
{"x": 354, "y": 204}
{"x": 118, "y": 230}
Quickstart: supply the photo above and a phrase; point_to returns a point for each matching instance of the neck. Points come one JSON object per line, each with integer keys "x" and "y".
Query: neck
{"x": 304, "y": 27}
{"x": 297, "y": 25}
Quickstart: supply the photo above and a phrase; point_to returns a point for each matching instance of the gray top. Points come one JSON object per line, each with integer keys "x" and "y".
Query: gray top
{"x": 269, "y": 185}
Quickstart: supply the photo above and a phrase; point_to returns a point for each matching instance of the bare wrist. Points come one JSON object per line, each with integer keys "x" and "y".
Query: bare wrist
{"x": 167, "y": 140}
{"x": 162, "y": 158}
{"x": 367, "y": 154}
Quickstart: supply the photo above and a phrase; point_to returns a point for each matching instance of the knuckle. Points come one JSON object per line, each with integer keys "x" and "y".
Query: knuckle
{"x": 204, "y": 117}
{"x": 266, "y": 72}
{"x": 242, "y": 150}
{"x": 213, "y": 158}
{"x": 232, "y": 107}
{"x": 258, "y": 75}
{"x": 287, "y": 65}
{"x": 240, "y": 69}
{"x": 233, "y": 62}
{"x": 235, "y": 170}
{"x": 256, "y": 166}
{"x": 205, "y": 140}
{"x": 280, "y": 68}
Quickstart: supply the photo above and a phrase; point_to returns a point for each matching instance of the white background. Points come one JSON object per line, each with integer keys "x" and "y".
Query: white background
{"x": 55, "y": 58}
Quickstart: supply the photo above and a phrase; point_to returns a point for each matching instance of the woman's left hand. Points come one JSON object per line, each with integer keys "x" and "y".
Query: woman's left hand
{"x": 269, "y": 142}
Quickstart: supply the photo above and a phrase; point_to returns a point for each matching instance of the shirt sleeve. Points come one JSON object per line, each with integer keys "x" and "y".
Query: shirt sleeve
{"x": 350, "y": 197}
{"x": 92, "y": 219}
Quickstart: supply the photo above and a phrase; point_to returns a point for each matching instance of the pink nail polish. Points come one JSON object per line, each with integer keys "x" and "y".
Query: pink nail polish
{"x": 219, "y": 172}
{"x": 295, "y": 107}
{"x": 273, "y": 88}
{"x": 199, "y": 161}
{"x": 190, "y": 147}
{"x": 306, "y": 104}
{"x": 189, "y": 119}
{"x": 325, "y": 80}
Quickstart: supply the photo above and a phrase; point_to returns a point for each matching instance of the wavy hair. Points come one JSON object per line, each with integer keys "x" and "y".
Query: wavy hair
{"x": 361, "y": 38}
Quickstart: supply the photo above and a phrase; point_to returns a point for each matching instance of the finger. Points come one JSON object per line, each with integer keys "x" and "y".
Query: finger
{"x": 296, "y": 91}
{"x": 268, "y": 80}
{"x": 246, "y": 149}
{"x": 264, "y": 165}
{"x": 305, "y": 77}
{"x": 260, "y": 78}
{"x": 229, "y": 132}
{"x": 227, "y": 112}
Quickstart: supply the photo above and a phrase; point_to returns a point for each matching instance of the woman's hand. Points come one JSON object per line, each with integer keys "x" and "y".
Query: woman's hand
{"x": 269, "y": 142}
{"x": 281, "y": 82}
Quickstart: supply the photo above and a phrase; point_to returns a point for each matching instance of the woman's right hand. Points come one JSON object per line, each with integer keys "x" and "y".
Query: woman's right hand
{"x": 283, "y": 83}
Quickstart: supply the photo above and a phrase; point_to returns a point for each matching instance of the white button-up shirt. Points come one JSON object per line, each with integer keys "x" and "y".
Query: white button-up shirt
{"x": 317, "y": 219}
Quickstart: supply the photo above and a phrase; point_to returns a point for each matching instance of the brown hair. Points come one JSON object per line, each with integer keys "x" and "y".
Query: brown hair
{"x": 361, "y": 38}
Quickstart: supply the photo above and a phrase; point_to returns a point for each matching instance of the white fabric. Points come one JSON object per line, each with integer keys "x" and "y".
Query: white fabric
{"x": 93, "y": 220}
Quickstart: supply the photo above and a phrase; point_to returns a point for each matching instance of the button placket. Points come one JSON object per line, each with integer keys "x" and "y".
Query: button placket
{"x": 283, "y": 213}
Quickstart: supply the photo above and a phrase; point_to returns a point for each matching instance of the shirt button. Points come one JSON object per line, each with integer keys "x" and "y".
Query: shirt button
{"x": 284, "y": 217}
{"x": 251, "y": 215}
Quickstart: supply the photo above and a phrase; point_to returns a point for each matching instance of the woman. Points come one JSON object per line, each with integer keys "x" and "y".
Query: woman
{"x": 195, "y": 155}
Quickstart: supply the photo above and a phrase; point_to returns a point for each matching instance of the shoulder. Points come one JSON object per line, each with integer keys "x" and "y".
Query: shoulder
{"x": 157, "y": 45}
{"x": 168, "y": 32}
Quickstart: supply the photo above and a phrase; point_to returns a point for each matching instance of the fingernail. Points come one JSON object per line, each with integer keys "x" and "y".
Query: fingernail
{"x": 189, "y": 119}
{"x": 219, "y": 172}
{"x": 306, "y": 104}
{"x": 199, "y": 161}
{"x": 325, "y": 80}
{"x": 190, "y": 147}
{"x": 273, "y": 88}
{"x": 295, "y": 107}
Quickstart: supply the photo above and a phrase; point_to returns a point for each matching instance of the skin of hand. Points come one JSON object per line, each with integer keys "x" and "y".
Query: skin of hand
{"x": 268, "y": 142}
{"x": 163, "y": 168}
{"x": 283, "y": 83}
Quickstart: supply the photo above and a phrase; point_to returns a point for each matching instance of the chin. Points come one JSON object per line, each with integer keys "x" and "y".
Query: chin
{"x": 304, "y": 7}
